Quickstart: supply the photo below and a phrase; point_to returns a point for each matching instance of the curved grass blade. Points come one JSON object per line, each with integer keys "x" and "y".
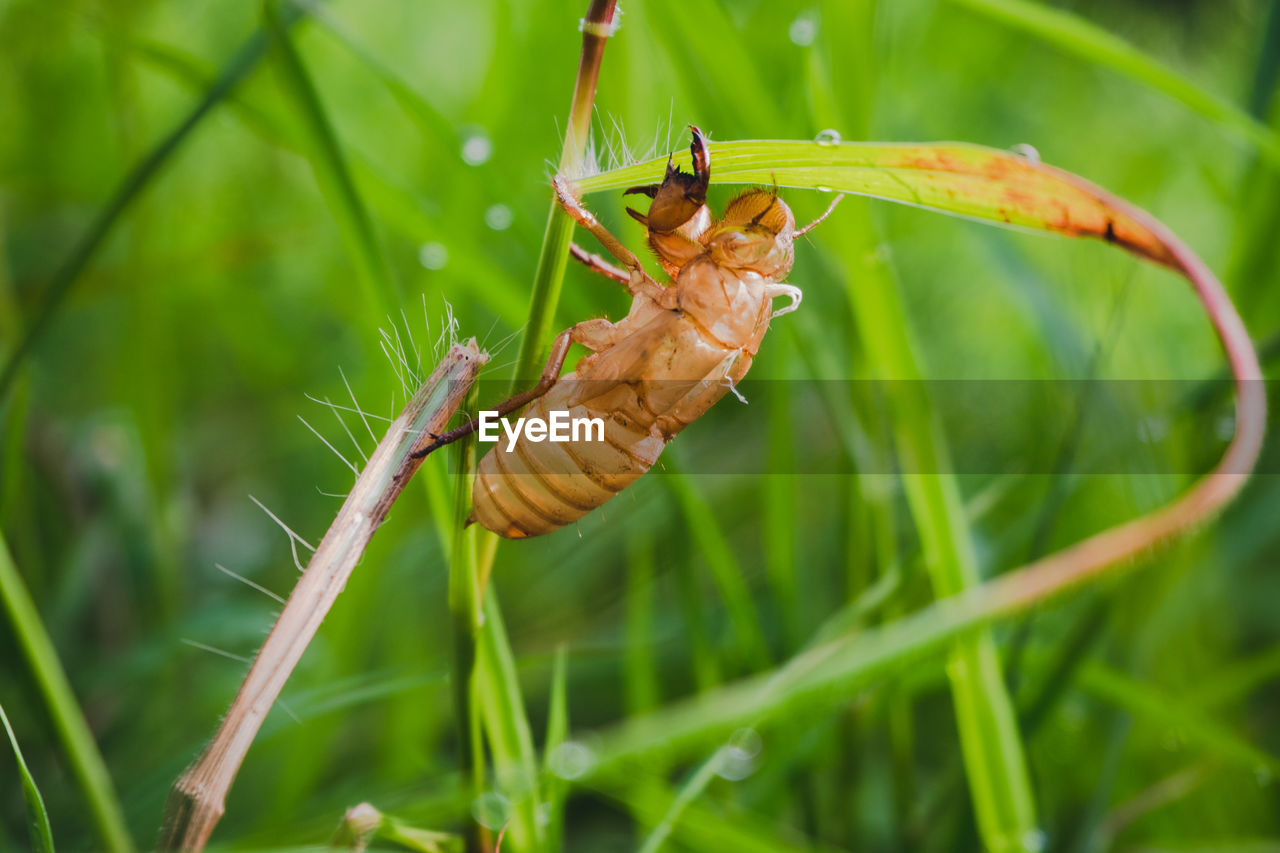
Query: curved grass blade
{"x": 37, "y": 818}
{"x": 1074, "y": 34}
{"x": 966, "y": 180}
{"x": 73, "y": 731}
{"x": 242, "y": 63}
{"x": 1001, "y": 188}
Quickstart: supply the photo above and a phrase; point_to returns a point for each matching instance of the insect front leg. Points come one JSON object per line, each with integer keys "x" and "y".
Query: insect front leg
{"x": 638, "y": 281}
{"x": 593, "y": 334}
{"x": 597, "y": 264}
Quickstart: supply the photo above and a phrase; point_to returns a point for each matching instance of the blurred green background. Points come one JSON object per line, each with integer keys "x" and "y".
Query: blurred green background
{"x": 168, "y": 385}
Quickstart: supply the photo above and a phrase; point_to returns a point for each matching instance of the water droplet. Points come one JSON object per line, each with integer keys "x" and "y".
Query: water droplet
{"x": 1034, "y": 840}
{"x": 733, "y": 764}
{"x": 1225, "y": 427}
{"x": 746, "y": 741}
{"x": 513, "y": 782}
{"x": 433, "y": 256}
{"x": 498, "y": 217}
{"x": 1027, "y": 152}
{"x": 571, "y": 760}
{"x": 803, "y": 30}
{"x": 476, "y": 149}
{"x": 824, "y": 189}
{"x": 491, "y": 810}
{"x": 1153, "y": 429}
{"x": 828, "y": 137}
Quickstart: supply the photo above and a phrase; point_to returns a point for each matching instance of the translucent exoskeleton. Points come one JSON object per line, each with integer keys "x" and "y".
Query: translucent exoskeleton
{"x": 679, "y": 350}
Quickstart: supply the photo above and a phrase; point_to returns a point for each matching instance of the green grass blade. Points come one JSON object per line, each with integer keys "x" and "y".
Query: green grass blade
{"x": 704, "y": 827}
{"x": 434, "y": 125}
{"x": 557, "y": 731}
{"x": 37, "y": 818}
{"x": 989, "y": 738}
{"x": 1073, "y": 34}
{"x": 713, "y": 544}
{"x": 397, "y": 208}
{"x": 822, "y": 676}
{"x": 689, "y": 791}
{"x": 1151, "y": 706}
{"x": 507, "y": 726}
{"x": 643, "y": 685}
{"x": 237, "y": 69}
{"x": 332, "y": 170}
{"x": 82, "y": 753}
{"x": 1235, "y": 682}
{"x": 971, "y": 181}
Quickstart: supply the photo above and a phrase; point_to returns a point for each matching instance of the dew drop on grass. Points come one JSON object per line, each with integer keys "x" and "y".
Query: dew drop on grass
{"x": 491, "y": 810}
{"x": 737, "y": 759}
{"x": 733, "y": 765}
{"x": 824, "y": 189}
{"x": 1034, "y": 841}
{"x": 1027, "y": 152}
{"x": 433, "y": 256}
{"x": 476, "y": 149}
{"x": 498, "y": 217}
{"x": 828, "y": 137}
{"x": 571, "y": 760}
{"x": 746, "y": 741}
{"x": 803, "y": 30}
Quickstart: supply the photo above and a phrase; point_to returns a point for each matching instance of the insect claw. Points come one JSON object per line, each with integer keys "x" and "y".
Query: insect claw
{"x": 650, "y": 190}
{"x": 638, "y": 216}
{"x": 701, "y": 157}
{"x": 681, "y": 194}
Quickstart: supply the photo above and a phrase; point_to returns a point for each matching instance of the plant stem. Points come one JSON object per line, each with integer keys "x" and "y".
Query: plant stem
{"x": 506, "y": 724}
{"x": 596, "y": 27}
{"x": 197, "y": 798}
{"x": 465, "y": 620}
{"x": 64, "y": 711}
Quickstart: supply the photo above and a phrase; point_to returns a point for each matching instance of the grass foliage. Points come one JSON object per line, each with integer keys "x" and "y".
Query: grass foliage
{"x": 208, "y": 212}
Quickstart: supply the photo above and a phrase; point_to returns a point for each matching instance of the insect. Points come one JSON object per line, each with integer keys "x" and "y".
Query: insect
{"x": 680, "y": 349}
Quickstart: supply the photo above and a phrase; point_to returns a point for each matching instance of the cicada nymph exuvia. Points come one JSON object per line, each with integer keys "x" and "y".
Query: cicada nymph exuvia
{"x": 681, "y": 348}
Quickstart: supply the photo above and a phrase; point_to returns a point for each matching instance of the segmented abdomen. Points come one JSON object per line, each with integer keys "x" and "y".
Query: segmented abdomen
{"x": 537, "y": 487}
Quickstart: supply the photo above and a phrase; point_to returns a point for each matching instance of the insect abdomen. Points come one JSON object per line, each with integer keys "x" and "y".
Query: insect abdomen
{"x": 537, "y": 487}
